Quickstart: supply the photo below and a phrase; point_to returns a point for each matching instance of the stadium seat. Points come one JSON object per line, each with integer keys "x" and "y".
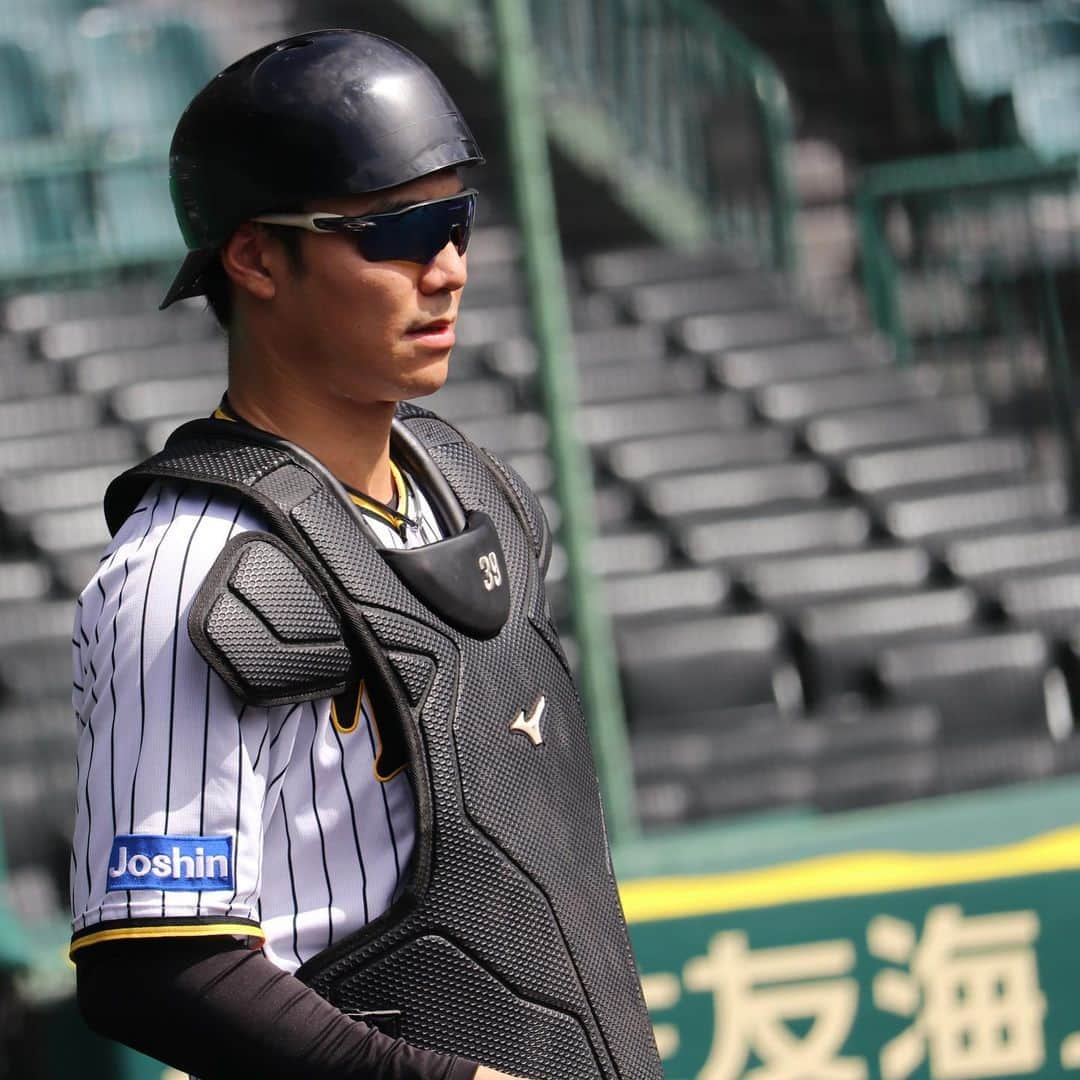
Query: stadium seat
{"x": 982, "y": 684}
{"x": 491, "y": 325}
{"x": 993, "y": 457}
{"x": 678, "y": 673}
{"x": 190, "y": 396}
{"x": 744, "y": 537}
{"x": 135, "y": 217}
{"x": 897, "y": 425}
{"x": 635, "y": 381}
{"x": 73, "y": 569}
{"x": 1046, "y": 108}
{"x": 831, "y": 738}
{"x": 641, "y": 459}
{"x": 492, "y": 284}
{"x": 712, "y": 752}
{"x": 798, "y": 400}
{"x": 1014, "y": 551}
{"x": 24, "y": 109}
{"x": 617, "y": 344}
{"x": 461, "y": 401}
{"x": 659, "y": 303}
{"x": 602, "y": 424}
{"x": 37, "y": 216}
{"x": 100, "y": 372}
{"x": 992, "y": 45}
{"x": 24, "y": 380}
{"x": 1043, "y": 601}
{"x": 840, "y": 640}
{"x": 35, "y": 669}
{"x": 50, "y": 414}
{"x": 23, "y": 579}
{"x": 80, "y": 337}
{"x": 791, "y": 582}
{"x": 994, "y": 762}
{"x": 741, "y": 330}
{"x": 60, "y": 532}
{"x": 514, "y": 433}
{"x": 643, "y": 266}
{"x": 13, "y": 350}
{"x": 613, "y": 508}
{"x": 39, "y": 620}
{"x": 535, "y": 468}
{"x": 770, "y": 787}
{"x": 30, "y": 312}
{"x": 748, "y": 369}
{"x": 30, "y": 493}
{"x": 136, "y": 72}
{"x": 630, "y": 551}
{"x": 666, "y": 593}
{"x": 888, "y": 775}
{"x": 719, "y": 491}
{"x": 923, "y": 516}
{"x": 919, "y": 21}
{"x": 93, "y": 446}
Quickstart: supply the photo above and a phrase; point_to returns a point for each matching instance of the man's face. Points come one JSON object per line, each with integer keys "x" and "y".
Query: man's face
{"x": 372, "y": 331}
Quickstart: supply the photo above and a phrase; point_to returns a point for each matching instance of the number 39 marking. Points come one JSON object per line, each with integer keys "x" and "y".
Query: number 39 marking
{"x": 489, "y": 566}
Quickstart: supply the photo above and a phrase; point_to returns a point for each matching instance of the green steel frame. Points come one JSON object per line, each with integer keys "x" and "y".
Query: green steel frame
{"x": 684, "y": 120}
{"x": 533, "y": 191}
{"x": 991, "y": 232}
{"x": 632, "y": 90}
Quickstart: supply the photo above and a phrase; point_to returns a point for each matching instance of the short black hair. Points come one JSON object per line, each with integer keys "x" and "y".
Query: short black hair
{"x": 219, "y": 289}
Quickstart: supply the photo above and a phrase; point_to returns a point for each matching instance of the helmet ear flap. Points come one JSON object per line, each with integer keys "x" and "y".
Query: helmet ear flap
{"x": 333, "y": 112}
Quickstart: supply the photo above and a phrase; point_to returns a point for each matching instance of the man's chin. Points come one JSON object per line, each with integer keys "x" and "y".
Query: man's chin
{"x": 426, "y": 381}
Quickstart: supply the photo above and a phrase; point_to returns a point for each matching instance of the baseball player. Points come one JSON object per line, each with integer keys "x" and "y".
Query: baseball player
{"x": 337, "y": 813}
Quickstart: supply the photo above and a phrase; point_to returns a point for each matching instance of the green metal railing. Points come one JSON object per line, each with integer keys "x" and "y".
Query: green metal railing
{"x": 683, "y": 119}
{"x": 967, "y": 261}
{"x": 534, "y": 195}
{"x": 690, "y": 128}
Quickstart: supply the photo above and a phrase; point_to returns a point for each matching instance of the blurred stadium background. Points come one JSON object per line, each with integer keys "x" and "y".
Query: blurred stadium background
{"x": 819, "y": 274}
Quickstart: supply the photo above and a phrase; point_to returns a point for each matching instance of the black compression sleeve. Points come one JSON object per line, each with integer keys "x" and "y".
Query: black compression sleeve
{"x": 221, "y": 1011}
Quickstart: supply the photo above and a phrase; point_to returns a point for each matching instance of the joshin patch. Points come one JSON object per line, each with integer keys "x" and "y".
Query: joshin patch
{"x": 171, "y": 863}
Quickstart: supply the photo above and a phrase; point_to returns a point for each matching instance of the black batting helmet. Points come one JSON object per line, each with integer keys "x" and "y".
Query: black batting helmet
{"x": 334, "y": 112}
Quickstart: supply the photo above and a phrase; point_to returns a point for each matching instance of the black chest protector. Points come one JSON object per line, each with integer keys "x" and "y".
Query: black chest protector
{"x": 508, "y": 945}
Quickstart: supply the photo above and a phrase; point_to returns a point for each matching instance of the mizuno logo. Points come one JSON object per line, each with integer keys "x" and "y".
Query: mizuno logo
{"x": 171, "y": 863}
{"x": 531, "y": 726}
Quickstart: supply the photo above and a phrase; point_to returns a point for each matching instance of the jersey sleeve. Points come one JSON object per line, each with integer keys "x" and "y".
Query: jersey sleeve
{"x": 172, "y": 769}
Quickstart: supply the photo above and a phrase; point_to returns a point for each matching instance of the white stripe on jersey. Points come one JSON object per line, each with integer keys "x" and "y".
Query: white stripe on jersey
{"x": 320, "y": 845}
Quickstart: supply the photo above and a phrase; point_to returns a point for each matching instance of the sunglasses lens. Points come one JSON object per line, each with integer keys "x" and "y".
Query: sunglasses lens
{"x": 419, "y": 234}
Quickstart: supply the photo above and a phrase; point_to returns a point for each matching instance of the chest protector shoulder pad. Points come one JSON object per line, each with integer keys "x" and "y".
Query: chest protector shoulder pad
{"x": 508, "y": 944}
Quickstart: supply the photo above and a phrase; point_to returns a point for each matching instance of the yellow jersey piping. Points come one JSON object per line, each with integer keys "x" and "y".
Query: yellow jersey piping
{"x": 356, "y": 715}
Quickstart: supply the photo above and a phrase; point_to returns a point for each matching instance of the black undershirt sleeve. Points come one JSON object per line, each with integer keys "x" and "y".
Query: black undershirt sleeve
{"x": 221, "y": 1011}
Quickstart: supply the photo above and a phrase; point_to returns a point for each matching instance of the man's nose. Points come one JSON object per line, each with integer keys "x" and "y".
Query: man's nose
{"x": 448, "y": 270}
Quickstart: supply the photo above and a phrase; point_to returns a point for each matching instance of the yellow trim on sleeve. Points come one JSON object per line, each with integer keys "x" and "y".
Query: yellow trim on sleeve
{"x": 202, "y": 930}
{"x": 858, "y": 873}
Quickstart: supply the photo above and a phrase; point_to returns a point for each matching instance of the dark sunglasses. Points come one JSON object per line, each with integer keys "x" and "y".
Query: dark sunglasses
{"x": 415, "y": 234}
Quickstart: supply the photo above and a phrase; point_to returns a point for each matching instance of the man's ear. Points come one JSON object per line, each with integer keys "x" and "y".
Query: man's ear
{"x": 251, "y": 261}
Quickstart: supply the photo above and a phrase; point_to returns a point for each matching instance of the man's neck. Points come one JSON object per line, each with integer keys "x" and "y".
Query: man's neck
{"x": 352, "y": 440}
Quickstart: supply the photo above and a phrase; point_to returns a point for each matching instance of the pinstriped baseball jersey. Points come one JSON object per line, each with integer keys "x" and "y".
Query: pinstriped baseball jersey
{"x": 195, "y": 814}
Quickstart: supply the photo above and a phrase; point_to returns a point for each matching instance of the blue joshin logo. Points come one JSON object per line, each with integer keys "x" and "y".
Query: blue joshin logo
{"x": 171, "y": 863}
